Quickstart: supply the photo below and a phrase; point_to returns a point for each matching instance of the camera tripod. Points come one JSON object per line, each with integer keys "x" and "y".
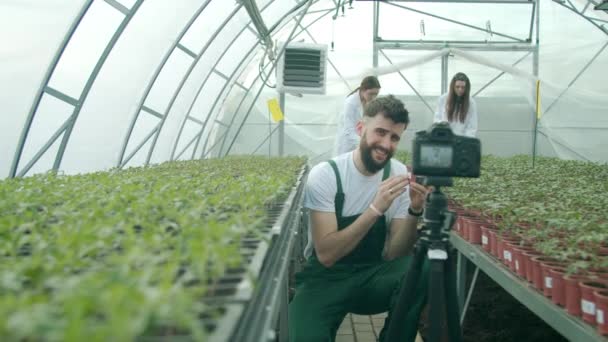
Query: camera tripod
{"x": 434, "y": 244}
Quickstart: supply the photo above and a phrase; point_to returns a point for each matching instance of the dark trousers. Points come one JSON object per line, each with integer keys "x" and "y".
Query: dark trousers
{"x": 325, "y": 295}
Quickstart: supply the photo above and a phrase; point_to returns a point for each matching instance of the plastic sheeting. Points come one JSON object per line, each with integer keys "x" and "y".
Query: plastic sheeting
{"x": 571, "y": 70}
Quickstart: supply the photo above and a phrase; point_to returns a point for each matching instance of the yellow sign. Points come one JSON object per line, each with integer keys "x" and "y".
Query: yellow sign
{"x": 275, "y": 110}
{"x": 538, "y": 108}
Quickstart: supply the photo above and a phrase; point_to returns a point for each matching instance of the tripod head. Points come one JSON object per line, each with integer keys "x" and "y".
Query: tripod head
{"x": 438, "y": 220}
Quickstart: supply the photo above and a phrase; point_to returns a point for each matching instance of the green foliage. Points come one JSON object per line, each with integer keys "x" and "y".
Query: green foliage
{"x": 559, "y": 205}
{"x": 110, "y": 256}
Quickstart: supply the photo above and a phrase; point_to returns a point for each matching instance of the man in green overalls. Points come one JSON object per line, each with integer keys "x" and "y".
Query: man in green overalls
{"x": 363, "y": 219}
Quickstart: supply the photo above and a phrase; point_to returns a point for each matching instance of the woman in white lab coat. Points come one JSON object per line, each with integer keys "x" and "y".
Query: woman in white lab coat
{"x": 458, "y": 107}
{"x": 346, "y": 135}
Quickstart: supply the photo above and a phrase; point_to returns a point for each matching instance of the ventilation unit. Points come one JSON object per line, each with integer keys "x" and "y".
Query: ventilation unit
{"x": 302, "y": 69}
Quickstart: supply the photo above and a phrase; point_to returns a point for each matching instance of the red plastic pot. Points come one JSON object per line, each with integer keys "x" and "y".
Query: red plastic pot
{"x": 601, "y": 311}
{"x": 558, "y": 293}
{"x": 573, "y": 292}
{"x": 527, "y": 256}
{"x": 474, "y": 229}
{"x": 519, "y": 260}
{"x": 548, "y": 281}
{"x": 588, "y": 304}
{"x": 485, "y": 238}
{"x": 493, "y": 242}
{"x": 538, "y": 279}
{"x": 505, "y": 249}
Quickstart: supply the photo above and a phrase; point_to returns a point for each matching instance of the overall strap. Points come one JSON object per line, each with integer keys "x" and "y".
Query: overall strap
{"x": 339, "y": 199}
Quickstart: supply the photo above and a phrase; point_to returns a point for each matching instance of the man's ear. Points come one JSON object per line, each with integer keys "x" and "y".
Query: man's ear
{"x": 359, "y": 127}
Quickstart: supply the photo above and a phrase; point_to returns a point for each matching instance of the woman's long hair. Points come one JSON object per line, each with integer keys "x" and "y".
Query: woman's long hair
{"x": 455, "y": 108}
{"x": 369, "y": 82}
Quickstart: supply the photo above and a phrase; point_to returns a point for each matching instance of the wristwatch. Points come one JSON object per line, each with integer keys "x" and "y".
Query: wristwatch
{"x": 413, "y": 213}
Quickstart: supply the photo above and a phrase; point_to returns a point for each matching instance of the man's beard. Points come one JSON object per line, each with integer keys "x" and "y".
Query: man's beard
{"x": 370, "y": 164}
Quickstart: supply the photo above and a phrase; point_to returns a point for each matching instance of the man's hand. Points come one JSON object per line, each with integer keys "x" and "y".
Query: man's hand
{"x": 390, "y": 189}
{"x": 417, "y": 195}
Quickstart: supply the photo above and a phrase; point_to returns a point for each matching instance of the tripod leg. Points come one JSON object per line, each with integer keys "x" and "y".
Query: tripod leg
{"x": 453, "y": 319}
{"x": 436, "y": 299}
{"x": 403, "y": 322}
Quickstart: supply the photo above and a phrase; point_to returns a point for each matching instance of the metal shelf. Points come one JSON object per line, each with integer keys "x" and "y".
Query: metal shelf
{"x": 571, "y": 327}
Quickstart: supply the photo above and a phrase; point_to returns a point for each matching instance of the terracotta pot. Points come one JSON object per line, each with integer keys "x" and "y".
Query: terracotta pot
{"x": 528, "y": 263}
{"x": 459, "y": 223}
{"x": 505, "y": 250}
{"x": 601, "y": 311}
{"x": 558, "y": 293}
{"x": 519, "y": 259}
{"x": 485, "y": 238}
{"x": 494, "y": 242}
{"x": 588, "y": 299}
{"x": 474, "y": 230}
{"x": 573, "y": 292}
{"x": 537, "y": 274}
{"x": 548, "y": 282}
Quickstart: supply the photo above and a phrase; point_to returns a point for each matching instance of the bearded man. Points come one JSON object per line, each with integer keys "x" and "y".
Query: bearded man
{"x": 363, "y": 211}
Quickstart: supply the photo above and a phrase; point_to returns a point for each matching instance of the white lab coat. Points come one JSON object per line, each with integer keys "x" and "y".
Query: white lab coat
{"x": 468, "y": 127}
{"x": 347, "y": 138}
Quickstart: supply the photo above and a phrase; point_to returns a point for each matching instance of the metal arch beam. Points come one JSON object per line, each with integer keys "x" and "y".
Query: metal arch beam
{"x": 257, "y": 20}
{"x": 173, "y": 150}
{"x": 68, "y": 125}
{"x": 45, "y": 81}
{"x": 157, "y": 72}
{"x": 187, "y": 75}
{"x": 210, "y": 113}
{"x": 593, "y": 21}
{"x": 328, "y": 11}
{"x": 87, "y": 88}
{"x": 290, "y": 37}
{"x": 197, "y": 136}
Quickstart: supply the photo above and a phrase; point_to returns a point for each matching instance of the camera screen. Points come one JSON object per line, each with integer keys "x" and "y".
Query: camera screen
{"x": 436, "y": 156}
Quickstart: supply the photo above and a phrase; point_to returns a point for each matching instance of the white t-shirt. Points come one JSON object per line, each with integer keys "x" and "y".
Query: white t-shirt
{"x": 347, "y": 138}
{"x": 359, "y": 191}
{"x": 468, "y": 127}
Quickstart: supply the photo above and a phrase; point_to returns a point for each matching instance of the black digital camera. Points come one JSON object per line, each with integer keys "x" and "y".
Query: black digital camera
{"x": 439, "y": 152}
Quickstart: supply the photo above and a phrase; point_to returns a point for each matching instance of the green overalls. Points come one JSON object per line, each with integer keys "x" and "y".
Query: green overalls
{"x": 362, "y": 282}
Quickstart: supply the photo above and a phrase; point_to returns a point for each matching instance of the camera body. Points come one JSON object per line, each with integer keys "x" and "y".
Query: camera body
{"x": 438, "y": 152}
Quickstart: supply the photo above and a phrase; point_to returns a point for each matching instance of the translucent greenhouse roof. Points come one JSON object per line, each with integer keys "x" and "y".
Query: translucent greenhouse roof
{"x": 91, "y": 85}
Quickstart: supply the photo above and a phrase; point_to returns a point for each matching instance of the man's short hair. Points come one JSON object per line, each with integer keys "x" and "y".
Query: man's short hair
{"x": 390, "y": 106}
